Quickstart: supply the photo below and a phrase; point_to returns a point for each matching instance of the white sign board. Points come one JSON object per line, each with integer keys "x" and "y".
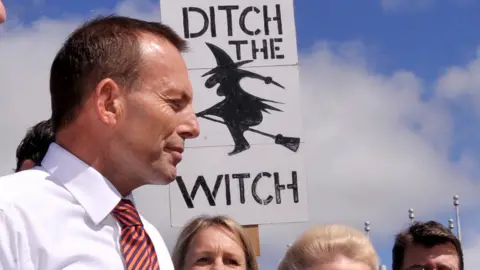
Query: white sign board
{"x": 248, "y": 161}
{"x": 260, "y": 30}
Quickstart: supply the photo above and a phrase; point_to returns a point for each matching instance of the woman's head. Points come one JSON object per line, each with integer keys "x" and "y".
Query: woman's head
{"x": 208, "y": 242}
{"x": 334, "y": 247}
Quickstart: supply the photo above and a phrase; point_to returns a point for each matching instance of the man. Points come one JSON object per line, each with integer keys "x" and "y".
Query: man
{"x": 34, "y": 146}
{"x": 121, "y": 109}
{"x": 3, "y": 13}
{"x": 427, "y": 245}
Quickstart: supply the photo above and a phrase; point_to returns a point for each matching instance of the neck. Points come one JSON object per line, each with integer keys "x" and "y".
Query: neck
{"x": 94, "y": 151}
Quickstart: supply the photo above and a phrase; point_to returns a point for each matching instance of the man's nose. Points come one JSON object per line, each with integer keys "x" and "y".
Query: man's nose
{"x": 189, "y": 128}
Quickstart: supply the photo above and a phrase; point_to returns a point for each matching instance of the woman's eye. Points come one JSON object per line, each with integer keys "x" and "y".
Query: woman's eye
{"x": 232, "y": 262}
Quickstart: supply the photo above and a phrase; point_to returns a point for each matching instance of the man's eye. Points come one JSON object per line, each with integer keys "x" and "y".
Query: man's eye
{"x": 176, "y": 103}
{"x": 203, "y": 260}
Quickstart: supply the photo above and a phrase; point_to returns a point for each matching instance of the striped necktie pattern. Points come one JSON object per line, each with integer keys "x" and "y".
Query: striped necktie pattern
{"x": 137, "y": 247}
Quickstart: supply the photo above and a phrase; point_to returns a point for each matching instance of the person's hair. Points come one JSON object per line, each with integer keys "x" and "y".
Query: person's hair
{"x": 104, "y": 47}
{"x": 35, "y": 144}
{"x": 202, "y": 222}
{"x": 324, "y": 244}
{"x": 427, "y": 234}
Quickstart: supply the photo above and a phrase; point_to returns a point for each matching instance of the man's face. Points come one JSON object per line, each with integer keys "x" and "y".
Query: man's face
{"x": 439, "y": 257}
{"x": 3, "y": 13}
{"x": 158, "y": 115}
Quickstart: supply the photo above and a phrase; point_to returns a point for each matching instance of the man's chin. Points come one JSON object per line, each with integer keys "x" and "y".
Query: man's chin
{"x": 164, "y": 178}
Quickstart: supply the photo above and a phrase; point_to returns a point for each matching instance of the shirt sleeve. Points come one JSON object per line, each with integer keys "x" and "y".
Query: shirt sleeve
{"x": 11, "y": 257}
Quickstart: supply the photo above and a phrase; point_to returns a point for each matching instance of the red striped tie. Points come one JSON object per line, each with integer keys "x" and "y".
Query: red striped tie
{"x": 137, "y": 248}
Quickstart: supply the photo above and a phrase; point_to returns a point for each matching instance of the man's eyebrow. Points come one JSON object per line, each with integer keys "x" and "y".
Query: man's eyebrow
{"x": 186, "y": 96}
{"x": 415, "y": 265}
{"x": 449, "y": 265}
{"x": 183, "y": 93}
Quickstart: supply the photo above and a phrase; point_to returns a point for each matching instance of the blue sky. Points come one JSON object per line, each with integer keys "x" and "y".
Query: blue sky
{"x": 425, "y": 40}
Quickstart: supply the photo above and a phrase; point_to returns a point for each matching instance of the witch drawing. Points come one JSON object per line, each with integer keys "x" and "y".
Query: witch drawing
{"x": 239, "y": 110}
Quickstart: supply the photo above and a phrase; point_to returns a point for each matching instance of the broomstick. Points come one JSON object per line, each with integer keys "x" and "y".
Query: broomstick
{"x": 288, "y": 142}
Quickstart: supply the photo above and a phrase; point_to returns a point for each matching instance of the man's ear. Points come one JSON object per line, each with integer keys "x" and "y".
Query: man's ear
{"x": 27, "y": 165}
{"x": 108, "y": 99}
{"x": 3, "y": 12}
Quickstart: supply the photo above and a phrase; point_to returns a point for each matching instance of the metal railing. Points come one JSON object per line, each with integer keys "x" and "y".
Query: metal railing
{"x": 411, "y": 216}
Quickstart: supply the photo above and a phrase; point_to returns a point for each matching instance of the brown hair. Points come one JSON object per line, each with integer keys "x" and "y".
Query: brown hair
{"x": 428, "y": 234}
{"x": 202, "y": 222}
{"x": 105, "y": 47}
{"x": 322, "y": 244}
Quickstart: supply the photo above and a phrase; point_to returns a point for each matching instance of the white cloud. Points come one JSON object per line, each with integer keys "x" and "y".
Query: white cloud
{"x": 471, "y": 251}
{"x": 142, "y": 9}
{"x": 416, "y": 5}
{"x": 461, "y": 83}
{"x": 405, "y": 4}
{"x": 376, "y": 149}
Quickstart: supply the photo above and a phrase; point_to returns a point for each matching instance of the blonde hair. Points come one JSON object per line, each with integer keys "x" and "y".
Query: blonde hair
{"x": 197, "y": 224}
{"x": 322, "y": 244}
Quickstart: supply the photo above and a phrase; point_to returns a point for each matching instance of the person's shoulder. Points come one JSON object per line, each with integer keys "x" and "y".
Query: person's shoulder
{"x": 25, "y": 186}
{"x": 22, "y": 180}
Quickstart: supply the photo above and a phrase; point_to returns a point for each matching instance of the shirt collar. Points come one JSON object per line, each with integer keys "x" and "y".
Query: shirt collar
{"x": 93, "y": 191}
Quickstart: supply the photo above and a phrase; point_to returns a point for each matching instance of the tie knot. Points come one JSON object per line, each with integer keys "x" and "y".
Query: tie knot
{"x": 126, "y": 213}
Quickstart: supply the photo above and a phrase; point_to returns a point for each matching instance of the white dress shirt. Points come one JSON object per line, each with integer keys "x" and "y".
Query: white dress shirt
{"x": 57, "y": 216}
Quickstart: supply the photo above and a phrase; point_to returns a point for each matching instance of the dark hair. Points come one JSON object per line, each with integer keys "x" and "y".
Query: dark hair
{"x": 427, "y": 234}
{"x": 35, "y": 144}
{"x": 103, "y": 47}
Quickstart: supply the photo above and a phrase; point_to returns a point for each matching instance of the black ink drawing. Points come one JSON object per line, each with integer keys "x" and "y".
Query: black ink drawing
{"x": 240, "y": 110}
{"x": 211, "y": 194}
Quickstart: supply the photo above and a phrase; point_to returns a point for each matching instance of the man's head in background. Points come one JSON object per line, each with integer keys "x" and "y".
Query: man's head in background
{"x": 427, "y": 245}
{"x": 3, "y": 13}
{"x": 34, "y": 146}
